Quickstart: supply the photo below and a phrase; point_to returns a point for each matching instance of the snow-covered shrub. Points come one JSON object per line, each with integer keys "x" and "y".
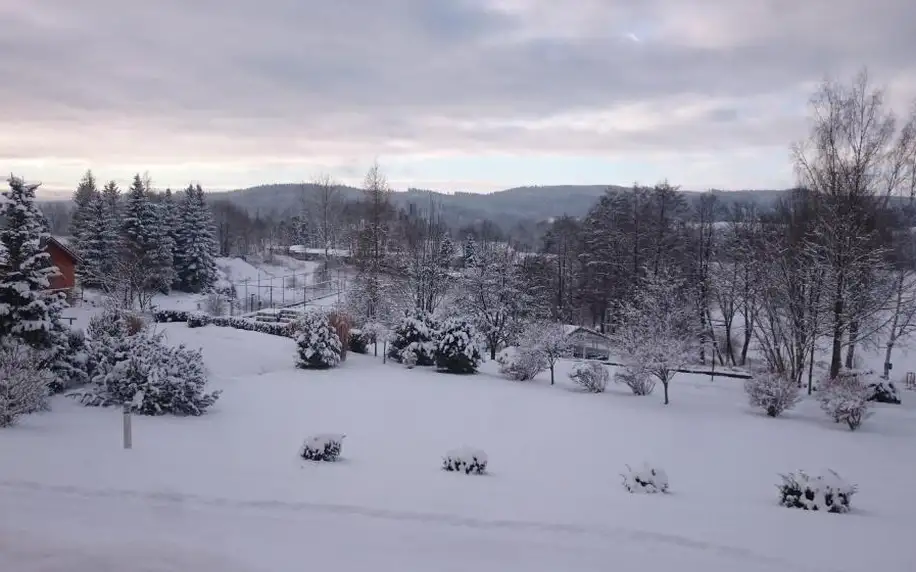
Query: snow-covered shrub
{"x": 465, "y": 460}
{"x": 323, "y": 447}
{"x": 845, "y": 401}
{"x": 216, "y": 304}
{"x": 418, "y": 331}
{"x": 409, "y": 356}
{"x": 883, "y": 392}
{"x": 645, "y": 479}
{"x": 23, "y": 382}
{"x": 170, "y": 316}
{"x": 457, "y": 350}
{"x": 69, "y": 361}
{"x": 640, "y": 381}
{"x": 359, "y": 341}
{"x": 115, "y": 322}
{"x": 155, "y": 377}
{"x": 340, "y": 323}
{"x": 827, "y": 492}
{"x": 198, "y": 320}
{"x": 286, "y": 330}
{"x": 520, "y": 364}
{"x": 772, "y": 392}
{"x": 591, "y": 376}
{"x": 318, "y": 344}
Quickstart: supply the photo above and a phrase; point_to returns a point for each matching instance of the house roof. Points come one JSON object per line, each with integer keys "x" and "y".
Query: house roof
{"x": 62, "y": 244}
{"x": 571, "y": 329}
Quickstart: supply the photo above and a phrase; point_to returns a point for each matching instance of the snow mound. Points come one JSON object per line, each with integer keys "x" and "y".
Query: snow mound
{"x": 645, "y": 479}
{"x": 322, "y": 447}
{"x": 827, "y": 492}
{"x": 467, "y": 460}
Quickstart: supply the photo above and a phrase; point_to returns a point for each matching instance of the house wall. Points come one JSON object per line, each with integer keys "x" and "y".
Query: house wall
{"x": 65, "y": 264}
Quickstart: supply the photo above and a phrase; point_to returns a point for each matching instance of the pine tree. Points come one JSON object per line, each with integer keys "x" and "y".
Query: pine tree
{"x": 28, "y": 310}
{"x": 164, "y": 247}
{"x": 111, "y": 201}
{"x": 96, "y": 240}
{"x": 170, "y": 223}
{"x": 85, "y": 192}
{"x": 141, "y": 256}
{"x": 470, "y": 252}
{"x": 196, "y": 243}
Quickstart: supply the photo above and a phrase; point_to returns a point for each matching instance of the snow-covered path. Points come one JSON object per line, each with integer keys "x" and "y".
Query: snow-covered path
{"x": 51, "y": 529}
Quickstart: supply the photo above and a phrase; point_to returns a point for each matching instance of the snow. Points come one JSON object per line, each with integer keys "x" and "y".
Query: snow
{"x": 225, "y": 491}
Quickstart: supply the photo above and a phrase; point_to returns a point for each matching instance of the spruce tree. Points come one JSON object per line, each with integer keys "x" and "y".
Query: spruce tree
{"x": 140, "y": 248}
{"x": 170, "y": 222}
{"x": 85, "y": 192}
{"x": 95, "y": 266}
{"x": 28, "y": 311}
{"x": 196, "y": 245}
{"x": 111, "y": 200}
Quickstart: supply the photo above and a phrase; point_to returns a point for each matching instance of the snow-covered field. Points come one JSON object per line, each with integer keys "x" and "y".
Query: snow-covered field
{"x": 226, "y": 492}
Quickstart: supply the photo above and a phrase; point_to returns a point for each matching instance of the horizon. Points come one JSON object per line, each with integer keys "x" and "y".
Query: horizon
{"x": 57, "y": 195}
{"x": 468, "y": 95}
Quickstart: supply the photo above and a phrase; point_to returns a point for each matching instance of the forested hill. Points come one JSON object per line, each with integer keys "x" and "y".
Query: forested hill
{"x": 506, "y": 208}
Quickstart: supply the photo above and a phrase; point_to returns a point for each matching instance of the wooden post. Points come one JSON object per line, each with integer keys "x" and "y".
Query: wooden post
{"x": 128, "y": 436}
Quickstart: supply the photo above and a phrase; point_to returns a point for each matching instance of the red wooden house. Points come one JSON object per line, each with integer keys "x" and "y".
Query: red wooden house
{"x": 65, "y": 259}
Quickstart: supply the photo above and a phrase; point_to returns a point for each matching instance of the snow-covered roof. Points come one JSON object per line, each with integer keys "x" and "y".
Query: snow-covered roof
{"x": 570, "y": 329}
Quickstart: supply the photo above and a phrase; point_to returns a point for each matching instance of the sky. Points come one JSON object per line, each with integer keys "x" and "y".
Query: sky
{"x": 453, "y": 95}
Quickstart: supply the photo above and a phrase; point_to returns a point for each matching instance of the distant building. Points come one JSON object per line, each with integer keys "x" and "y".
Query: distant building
{"x": 588, "y": 343}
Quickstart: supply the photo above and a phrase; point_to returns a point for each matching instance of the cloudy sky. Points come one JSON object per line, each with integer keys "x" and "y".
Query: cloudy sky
{"x": 447, "y": 94}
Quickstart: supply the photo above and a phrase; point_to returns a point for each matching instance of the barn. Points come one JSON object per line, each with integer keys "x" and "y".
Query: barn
{"x": 66, "y": 260}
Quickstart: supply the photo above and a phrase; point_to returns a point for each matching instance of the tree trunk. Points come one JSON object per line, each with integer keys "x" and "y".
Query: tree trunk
{"x": 892, "y": 337}
{"x": 551, "y": 374}
{"x": 665, "y": 384}
{"x": 748, "y": 335}
{"x": 492, "y": 351}
{"x": 851, "y": 350}
{"x": 836, "y": 354}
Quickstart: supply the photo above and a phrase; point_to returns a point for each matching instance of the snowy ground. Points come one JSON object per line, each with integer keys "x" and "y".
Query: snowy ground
{"x": 227, "y": 492}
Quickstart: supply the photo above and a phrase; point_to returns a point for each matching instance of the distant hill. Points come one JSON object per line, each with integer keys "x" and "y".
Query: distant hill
{"x": 507, "y": 208}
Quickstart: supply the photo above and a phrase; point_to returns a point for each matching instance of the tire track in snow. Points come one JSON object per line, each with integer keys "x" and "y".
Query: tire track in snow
{"x": 614, "y": 532}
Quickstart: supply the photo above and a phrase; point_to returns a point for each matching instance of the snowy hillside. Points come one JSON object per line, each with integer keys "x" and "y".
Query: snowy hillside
{"x": 226, "y": 491}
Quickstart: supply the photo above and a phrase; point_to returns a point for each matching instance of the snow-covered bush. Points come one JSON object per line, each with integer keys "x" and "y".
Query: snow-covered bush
{"x": 216, "y": 304}
{"x": 69, "y": 360}
{"x": 520, "y": 364}
{"x": 340, "y": 323}
{"x": 157, "y": 378}
{"x": 323, "y": 447}
{"x": 198, "y": 320}
{"x": 23, "y": 382}
{"x": 409, "y": 356}
{"x": 318, "y": 344}
{"x": 466, "y": 460}
{"x": 171, "y": 316}
{"x": 457, "y": 350}
{"x": 845, "y": 400}
{"x": 418, "y": 331}
{"x": 827, "y": 492}
{"x": 359, "y": 342}
{"x": 772, "y": 392}
{"x": 883, "y": 392}
{"x": 639, "y": 380}
{"x": 645, "y": 479}
{"x": 115, "y": 322}
{"x": 591, "y": 376}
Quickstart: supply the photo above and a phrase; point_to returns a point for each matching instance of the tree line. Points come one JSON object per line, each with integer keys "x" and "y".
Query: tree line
{"x": 143, "y": 242}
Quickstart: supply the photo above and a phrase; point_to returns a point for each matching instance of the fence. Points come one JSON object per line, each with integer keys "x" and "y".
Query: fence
{"x": 285, "y": 291}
